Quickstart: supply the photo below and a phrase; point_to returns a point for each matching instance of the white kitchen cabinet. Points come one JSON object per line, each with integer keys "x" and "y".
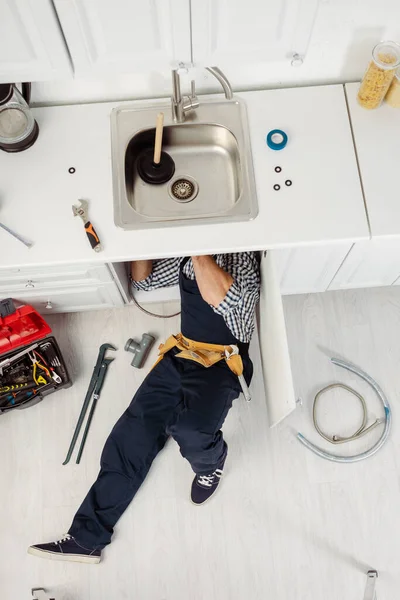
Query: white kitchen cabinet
{"x": 52, "y": 276}
{"x": 227, "y": 32}
{"x": 377, "y": 141}
{"x": 121, "y": 36}
{"x": 70, "y": 299}
{"x": 275, "y": 359}
{"x": 308, "y": 269}
{"x": 61, "y": 288}
{"x": 370, "y": 263}
{"x": 32, "y": 46}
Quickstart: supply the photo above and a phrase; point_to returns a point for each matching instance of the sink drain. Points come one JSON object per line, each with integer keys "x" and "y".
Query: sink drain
{"x": 184, "y": 189}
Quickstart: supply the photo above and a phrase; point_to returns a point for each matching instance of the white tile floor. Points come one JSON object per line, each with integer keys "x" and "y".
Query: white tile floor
{"x": 285, "y": 524}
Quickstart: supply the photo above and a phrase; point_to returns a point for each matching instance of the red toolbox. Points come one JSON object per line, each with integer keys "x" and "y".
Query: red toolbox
{"x": 31, "y": 363}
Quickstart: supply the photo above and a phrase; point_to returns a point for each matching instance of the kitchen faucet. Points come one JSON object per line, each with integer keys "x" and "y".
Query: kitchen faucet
{"x": 183, "y": 104}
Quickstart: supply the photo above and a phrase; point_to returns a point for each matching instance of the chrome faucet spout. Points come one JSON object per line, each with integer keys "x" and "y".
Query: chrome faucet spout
{"x": 181, "y": 105}
{"x": 226, "y": 86}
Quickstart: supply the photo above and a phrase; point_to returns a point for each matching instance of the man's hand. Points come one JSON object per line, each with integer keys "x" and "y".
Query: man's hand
{"x": 140, "y": 269}
{"x": 213, "y": 281}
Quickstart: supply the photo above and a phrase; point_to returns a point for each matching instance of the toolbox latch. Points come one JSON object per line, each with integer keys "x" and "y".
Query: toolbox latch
{"x": 7, "y": 307}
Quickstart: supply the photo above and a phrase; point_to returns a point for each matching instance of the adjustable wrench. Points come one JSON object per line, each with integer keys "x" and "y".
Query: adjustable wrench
{"x": 82, "y": 211}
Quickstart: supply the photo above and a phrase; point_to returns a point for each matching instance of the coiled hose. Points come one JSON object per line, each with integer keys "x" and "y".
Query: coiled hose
{"x": 387, "y": 422}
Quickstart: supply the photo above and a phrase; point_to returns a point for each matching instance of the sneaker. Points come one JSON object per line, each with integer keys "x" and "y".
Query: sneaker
{"x": 67, "y": 548}
{"x": 204, "y": 486}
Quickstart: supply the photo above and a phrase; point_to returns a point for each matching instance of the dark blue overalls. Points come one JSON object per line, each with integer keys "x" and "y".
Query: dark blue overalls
{"x": 178, "y": 398}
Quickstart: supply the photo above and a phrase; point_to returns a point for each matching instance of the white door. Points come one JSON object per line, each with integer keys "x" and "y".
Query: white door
{"x": 70, "y": 299}
{"x": 227, "y": 32}
{"x": 308, "y": 269}
{"x": 275, "y": 360}
{"x": 32, "y": 46}
{"x": 369, "y": 264}
{"x": 121, "y": 36}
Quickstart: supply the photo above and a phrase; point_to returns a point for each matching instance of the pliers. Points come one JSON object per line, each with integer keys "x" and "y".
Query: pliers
{"x": 48, "y": 370}
{"x": 38, "y": 378}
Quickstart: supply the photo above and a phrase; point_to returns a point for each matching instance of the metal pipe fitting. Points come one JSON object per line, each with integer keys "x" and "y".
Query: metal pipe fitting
{"x": 140, "y": 349}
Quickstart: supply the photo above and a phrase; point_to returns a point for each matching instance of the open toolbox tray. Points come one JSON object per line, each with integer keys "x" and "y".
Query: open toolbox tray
{"x": 24, "y": 335}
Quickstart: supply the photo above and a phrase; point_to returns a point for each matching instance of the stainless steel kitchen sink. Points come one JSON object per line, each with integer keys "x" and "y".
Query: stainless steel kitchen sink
{"x": 213, "y": 179}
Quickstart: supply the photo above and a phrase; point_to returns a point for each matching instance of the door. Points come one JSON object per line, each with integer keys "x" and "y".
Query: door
{"x": 369, "y": 264}
{"x": 309, "y": 269}
{"x": 227, "y": 32}
{"x": 121, "y": 36}
{"x": 70, "y": 299}
{"x": 275, "y": 360}
{"x": 32, "y": 46}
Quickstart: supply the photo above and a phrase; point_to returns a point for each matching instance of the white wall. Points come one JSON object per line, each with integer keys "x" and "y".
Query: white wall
{"x": 340, "y": 45}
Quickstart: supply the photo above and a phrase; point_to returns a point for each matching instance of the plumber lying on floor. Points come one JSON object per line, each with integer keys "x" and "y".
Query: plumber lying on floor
{"x": 187, "y": 394}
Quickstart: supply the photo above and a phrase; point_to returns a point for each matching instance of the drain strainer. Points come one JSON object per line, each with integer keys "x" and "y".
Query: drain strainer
{"x": 184, "y": 189}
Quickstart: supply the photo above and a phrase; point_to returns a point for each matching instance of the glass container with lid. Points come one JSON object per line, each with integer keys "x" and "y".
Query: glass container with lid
{"x": 379, "y": 74}
{"x": 393, "y": 95}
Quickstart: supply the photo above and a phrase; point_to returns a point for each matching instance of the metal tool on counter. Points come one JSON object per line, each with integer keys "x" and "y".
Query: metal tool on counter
{"x": 18, "y": 237}
{"x": 140, "y": 349}
{"x": 81, "y": 210}
{"x": 94, "y": 388}
{"x": 370, "y": 586}
{"x": 387, "y": 420}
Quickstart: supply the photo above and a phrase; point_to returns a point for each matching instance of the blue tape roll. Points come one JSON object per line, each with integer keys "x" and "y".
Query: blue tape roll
{"x": 276, "y": 139}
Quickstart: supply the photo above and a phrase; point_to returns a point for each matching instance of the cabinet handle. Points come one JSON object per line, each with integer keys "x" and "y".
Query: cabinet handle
{"x": 49, "y": 305}
{"x": 30, "y": 284}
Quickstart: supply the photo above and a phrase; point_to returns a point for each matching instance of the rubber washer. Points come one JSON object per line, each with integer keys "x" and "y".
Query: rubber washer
{"x": 276, "y": 139}
{"x": 278, "y": 169}
{"x": 288, "y": 182}
{"x": 277, "y": 187}
{"x": 71, "y": 170}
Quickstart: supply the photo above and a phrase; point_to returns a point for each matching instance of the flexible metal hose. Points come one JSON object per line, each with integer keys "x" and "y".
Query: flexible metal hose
{"x": 147, "y": 312}
{"x": 386, "y": 430}
{"x": 362, "y": 430}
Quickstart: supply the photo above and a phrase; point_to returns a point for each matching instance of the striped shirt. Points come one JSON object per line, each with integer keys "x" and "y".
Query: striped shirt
{"x": 237, "y": 308}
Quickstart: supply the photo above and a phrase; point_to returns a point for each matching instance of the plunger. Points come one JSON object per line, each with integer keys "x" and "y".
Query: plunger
{"x": 156, "y": 166}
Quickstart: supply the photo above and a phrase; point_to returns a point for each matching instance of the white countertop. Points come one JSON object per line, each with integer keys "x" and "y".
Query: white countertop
{"x": 377, "y": 136}
{"x": 324, "y": 203}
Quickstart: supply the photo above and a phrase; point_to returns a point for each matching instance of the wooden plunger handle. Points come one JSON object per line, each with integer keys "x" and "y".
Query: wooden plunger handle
{"x": 158, "y": 141}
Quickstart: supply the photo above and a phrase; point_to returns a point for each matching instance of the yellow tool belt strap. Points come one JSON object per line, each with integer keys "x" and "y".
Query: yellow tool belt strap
{"x": 204, "y": 354}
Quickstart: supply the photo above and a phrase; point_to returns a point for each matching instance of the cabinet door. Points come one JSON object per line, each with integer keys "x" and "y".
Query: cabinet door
{"x": 309, "y": 269}
{"x": 369, "y": 264}
{"x": 275, "y": 360}
{"x": 70, "y": 299}
{"x": 116, "y": 36}
{"x": 227, "y": 32}
{"x": 32, "y": 46}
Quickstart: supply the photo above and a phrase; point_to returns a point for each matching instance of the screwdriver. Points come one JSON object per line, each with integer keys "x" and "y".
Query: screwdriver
{"x": 17, "y": 236}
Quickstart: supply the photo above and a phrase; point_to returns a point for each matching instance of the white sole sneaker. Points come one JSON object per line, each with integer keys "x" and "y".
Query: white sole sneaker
{"x": 81, "y": 558}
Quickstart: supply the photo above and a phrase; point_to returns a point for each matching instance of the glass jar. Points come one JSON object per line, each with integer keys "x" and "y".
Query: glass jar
{"x": 393, "y": 95}
{"x": 379, "y": 75}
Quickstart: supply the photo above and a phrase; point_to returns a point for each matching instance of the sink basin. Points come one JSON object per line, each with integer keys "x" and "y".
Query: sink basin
{"x": 213, "y": 179}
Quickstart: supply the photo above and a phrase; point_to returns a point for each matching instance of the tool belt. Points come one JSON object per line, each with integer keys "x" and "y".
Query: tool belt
{"x": 202, "y": 353}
